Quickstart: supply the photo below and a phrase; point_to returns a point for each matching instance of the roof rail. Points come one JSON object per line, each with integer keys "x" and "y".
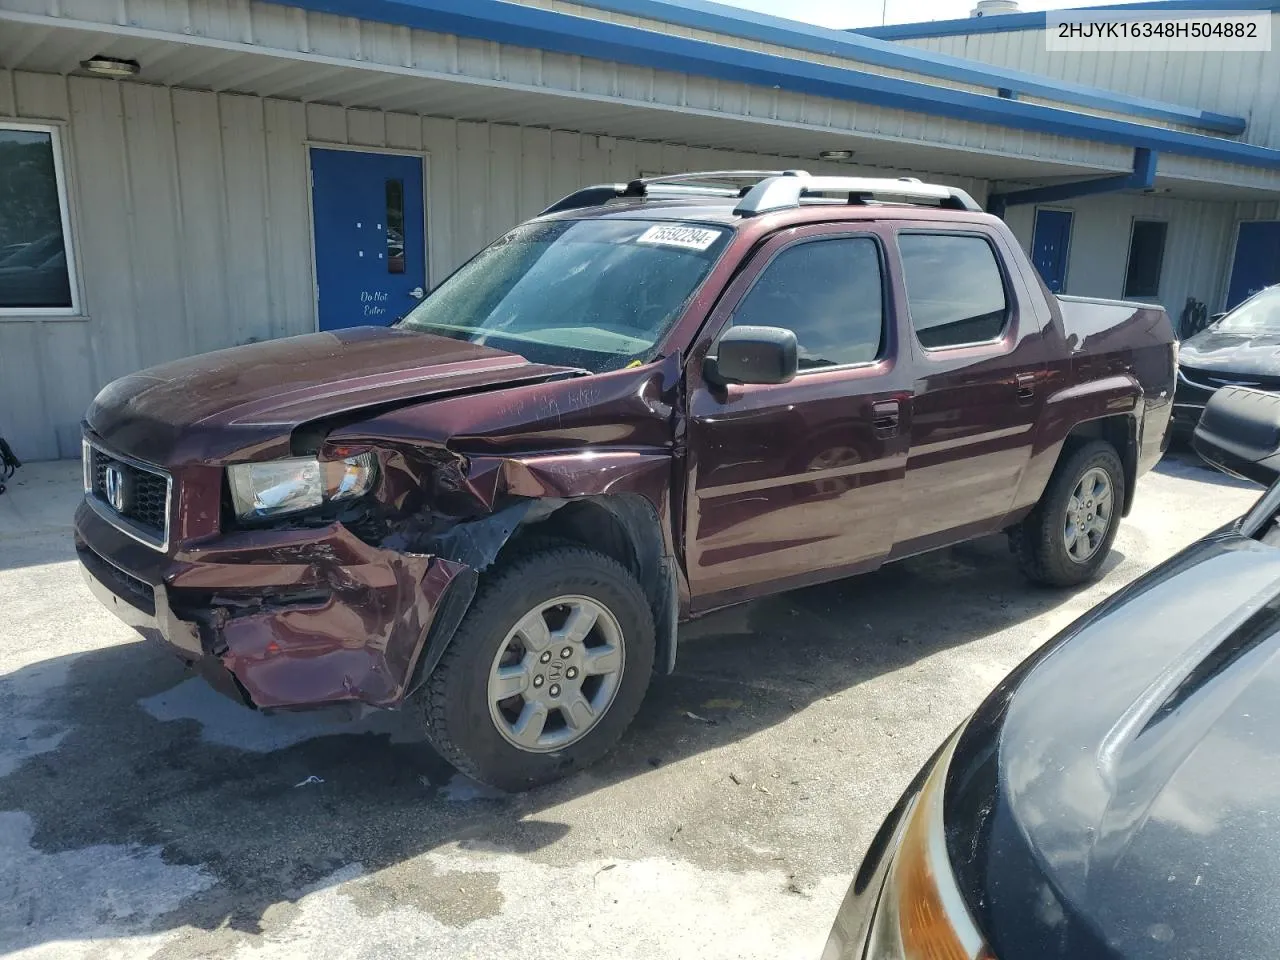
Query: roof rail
{"x": 782, "y": 192}
{"x": 708, "y": 183}
{"x": 762, "y": 191}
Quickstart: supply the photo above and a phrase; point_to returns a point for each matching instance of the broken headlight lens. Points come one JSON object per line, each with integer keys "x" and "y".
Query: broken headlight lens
{"x": 279, "y": 487}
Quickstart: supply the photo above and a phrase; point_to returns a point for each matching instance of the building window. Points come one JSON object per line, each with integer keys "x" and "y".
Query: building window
{"x": 1146, "y": 258}
{"x": 36, "y": 273}
{"x": 955, "y": 292}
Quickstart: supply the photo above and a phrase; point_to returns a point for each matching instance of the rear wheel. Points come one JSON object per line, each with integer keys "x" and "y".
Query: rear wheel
{"x": 546, "y": 671}
{"x": 1066, "y": 538}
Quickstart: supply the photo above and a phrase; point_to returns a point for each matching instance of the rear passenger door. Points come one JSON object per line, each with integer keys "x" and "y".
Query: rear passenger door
{"x": 799, "y": 482}
{"x": 978, "y": 353}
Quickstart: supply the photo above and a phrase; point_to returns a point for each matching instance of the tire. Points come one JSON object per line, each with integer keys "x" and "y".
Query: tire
{"x": 1040, "y": 542}
{"x": 495, "y": 644}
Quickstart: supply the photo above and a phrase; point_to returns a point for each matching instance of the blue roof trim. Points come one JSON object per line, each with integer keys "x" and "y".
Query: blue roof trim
{"x": 718, "y": 18}
{"x": 524, "y": 26}
{"x": 1143, "y": 177}
{"x": 1008, "y": 22}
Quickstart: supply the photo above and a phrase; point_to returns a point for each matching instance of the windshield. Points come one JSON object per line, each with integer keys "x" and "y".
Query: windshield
{"x": 1258, "y": 315}
{"x": 595, "y": 294}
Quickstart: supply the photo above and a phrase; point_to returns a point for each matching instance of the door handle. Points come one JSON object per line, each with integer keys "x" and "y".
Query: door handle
{"x": 417, "y": 293}
{"x": 884, "y": 418}
{"x": 1026, "y": 384}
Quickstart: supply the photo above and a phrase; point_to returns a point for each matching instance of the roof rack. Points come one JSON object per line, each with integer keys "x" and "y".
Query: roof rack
{"x": 710, "y": 183}
{"x": 763, "y": 191}
{"x": 787, "y": 190}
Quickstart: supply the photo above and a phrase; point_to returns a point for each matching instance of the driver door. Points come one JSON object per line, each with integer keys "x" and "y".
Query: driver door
{"x": 799, "y": 482}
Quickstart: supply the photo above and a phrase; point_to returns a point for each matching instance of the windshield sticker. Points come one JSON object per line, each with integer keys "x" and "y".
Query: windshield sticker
{"x": 672, "y": 235}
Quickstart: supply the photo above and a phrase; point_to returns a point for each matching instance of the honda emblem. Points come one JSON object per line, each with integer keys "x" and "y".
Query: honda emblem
{"x": 114, "y": 483}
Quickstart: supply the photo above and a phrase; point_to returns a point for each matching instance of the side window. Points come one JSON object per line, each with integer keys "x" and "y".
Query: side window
{"x": 830, "y": 293}
{"x": 955, "y": 293}
{"x": 35, "y": 276}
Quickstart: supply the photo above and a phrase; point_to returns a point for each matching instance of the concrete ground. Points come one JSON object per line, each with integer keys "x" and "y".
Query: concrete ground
{"x": 142, "y": 815}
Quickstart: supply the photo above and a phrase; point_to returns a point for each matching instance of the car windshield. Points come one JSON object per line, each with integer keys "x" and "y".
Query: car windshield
{"x": 1261, "y": 314}
{"x": 596, "y": 294}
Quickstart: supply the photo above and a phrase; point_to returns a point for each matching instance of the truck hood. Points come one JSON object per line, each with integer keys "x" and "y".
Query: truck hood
{"x": 243, "y": 403}
{"x": 1243, "y": 355}
{"x": 1140, "y": 760}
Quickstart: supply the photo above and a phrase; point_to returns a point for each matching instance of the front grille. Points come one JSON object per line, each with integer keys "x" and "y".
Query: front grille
{"x": 125, "y": 585}
{"x": 140, "y": 494}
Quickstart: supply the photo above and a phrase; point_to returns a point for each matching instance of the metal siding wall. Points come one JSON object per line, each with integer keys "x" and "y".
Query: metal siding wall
{"x": 189, "y": 213}
{"x": 1241, "y": 84}
{"x": 1197, "y": 248}
{"x": 265, "y": 26}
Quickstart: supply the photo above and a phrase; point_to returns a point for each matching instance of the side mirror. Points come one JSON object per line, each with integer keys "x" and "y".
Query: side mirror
{"x": 1239, "y": 433}
{"x": 1214, "y": 318}
{"x": 753, "y": 355}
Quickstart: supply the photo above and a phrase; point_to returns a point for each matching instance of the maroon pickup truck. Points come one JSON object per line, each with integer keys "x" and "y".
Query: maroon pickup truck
{"x": 653, "y": 400}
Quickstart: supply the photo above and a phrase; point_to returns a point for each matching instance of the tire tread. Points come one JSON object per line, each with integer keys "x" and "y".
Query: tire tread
{"x": 533, "y": 553}
{"x": 1035, "y": 541}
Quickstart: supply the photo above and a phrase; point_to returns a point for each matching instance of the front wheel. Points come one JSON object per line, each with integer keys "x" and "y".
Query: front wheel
{"x": 1066, "y": 538}
{"x": 546, "y": 671}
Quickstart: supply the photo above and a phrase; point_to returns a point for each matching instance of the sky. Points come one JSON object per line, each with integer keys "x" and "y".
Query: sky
{"x": 867, "y": 13}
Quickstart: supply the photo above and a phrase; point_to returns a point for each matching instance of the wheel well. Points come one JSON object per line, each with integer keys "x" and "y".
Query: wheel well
{"x": 1121, "y": 432}
{"x": 626, "y": 528}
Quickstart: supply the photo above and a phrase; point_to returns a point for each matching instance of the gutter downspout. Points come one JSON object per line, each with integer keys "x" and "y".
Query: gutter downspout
{"x": 1143, "y": 177}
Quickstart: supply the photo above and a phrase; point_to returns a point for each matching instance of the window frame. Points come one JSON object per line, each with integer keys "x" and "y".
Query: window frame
{"x": 1128, "y": 259}
{"x": 886, "y": 296}
{"x": 64, "y": 209}
{"x": 1010, "y": 300}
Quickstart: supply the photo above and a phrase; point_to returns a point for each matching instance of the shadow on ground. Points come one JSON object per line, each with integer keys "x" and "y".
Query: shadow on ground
{"x": 120, "y": 776}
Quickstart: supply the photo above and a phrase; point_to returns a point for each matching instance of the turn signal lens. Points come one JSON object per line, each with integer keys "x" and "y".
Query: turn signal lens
{"x": 351, "y": 477}
{"x": 922, "y": 914}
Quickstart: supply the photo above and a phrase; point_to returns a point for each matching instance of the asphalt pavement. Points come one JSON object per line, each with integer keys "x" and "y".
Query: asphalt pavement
{"x": 142, "y": 815}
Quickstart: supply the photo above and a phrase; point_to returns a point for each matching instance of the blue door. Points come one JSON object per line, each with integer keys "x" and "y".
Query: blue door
{"x": 1257, "y": 262}
{"x": 1050, "y": 245}
{"x": 370, "y": 236}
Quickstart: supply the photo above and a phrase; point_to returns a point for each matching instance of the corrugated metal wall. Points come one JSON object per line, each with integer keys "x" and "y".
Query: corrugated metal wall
{"x": 1197, "y": 249}
{"x": 192, "y": 231}
{"x": 1245, "y": 84}
{"x": 398, "y": 51}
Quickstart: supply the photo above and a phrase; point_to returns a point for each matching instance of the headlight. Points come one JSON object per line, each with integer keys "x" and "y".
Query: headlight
{"x": 922, "y": 914}
{"x": 277, "y": 487}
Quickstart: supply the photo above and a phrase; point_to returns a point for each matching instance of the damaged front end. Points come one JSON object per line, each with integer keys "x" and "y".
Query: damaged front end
{"x": 354, "y": 597}
{"x": 353, "y": 605}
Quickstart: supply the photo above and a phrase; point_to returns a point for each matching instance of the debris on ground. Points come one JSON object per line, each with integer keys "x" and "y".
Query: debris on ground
{"x": 722, "y": 704}
{"x": 309, "y": 781}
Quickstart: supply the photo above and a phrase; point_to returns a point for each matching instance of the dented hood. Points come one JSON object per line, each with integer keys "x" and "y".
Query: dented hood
{"x": 243, "y": 403}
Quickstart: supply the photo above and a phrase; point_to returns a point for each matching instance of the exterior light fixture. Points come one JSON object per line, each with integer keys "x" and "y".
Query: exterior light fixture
{"x": 103, "y": 66}
{"x": 835, "y": 155}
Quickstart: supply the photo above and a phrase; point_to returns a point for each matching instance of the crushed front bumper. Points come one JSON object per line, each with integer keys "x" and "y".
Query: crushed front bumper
{"x": 285, "y": 618}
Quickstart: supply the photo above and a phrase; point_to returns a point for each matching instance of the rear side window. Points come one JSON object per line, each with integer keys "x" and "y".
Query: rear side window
{"x": 830, "y": 293}
{"x": 955, "y": 292}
